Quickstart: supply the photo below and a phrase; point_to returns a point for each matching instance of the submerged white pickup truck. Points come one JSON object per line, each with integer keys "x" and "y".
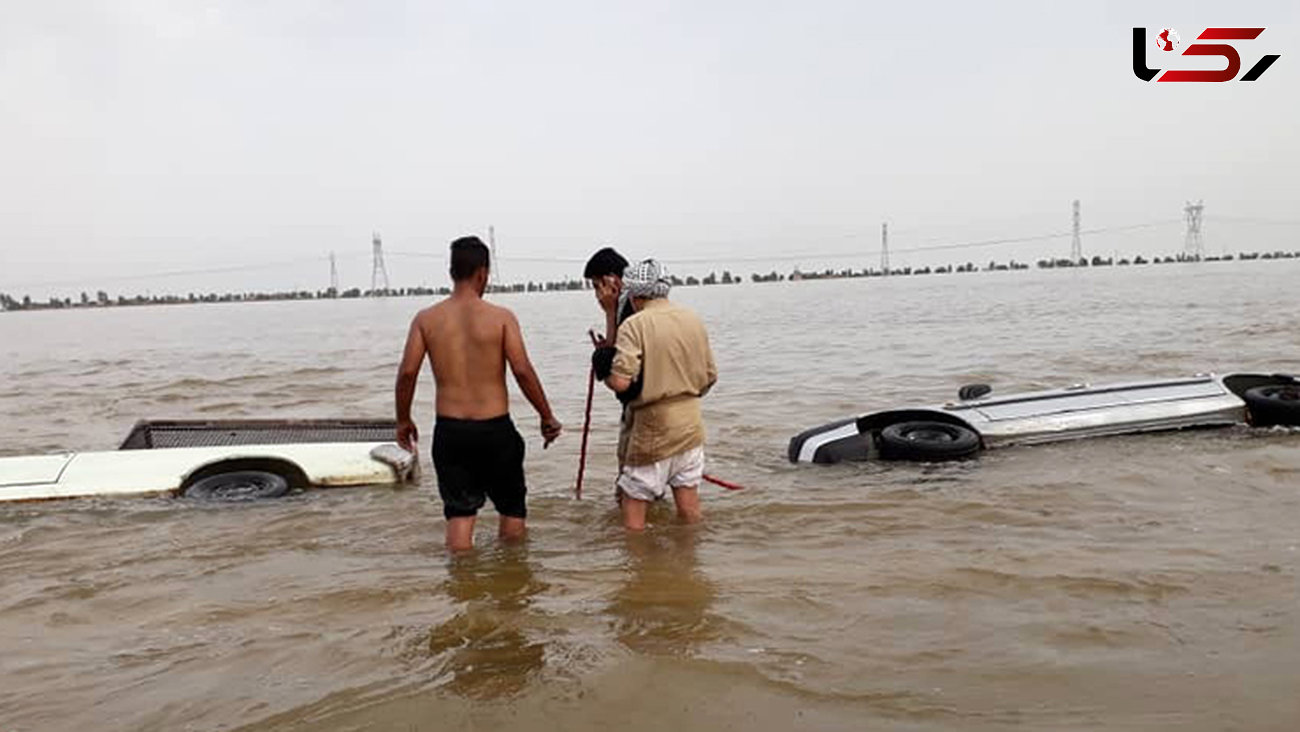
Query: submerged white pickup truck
{"x": 218, "y": 460}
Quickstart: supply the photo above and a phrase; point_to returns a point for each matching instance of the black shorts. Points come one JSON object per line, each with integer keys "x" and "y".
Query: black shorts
{"x": 477, "y": 459}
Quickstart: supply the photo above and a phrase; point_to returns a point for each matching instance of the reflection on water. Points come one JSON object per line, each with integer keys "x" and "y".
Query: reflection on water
{"x": 662, "y": 606}
{"x": 484, "y": 649}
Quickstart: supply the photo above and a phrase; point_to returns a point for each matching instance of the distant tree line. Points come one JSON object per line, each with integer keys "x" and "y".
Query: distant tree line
{"x": 1138, "y": 260}
{"x": 102, "y": 299}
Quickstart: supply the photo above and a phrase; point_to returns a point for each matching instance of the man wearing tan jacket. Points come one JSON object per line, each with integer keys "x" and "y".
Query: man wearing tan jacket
{"x": 661, "y": 366}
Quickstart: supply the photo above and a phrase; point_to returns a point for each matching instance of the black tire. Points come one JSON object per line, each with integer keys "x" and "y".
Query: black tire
{"x": 241, "y": 485}
{"x": 1276, "y": 404}
{"x": 927, "y": 441}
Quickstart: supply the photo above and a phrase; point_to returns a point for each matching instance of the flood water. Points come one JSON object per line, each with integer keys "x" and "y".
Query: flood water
{"x": 1145, "y": 582}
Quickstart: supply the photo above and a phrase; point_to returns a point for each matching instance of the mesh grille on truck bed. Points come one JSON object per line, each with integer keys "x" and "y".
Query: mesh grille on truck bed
{"x": 155, "y": 435}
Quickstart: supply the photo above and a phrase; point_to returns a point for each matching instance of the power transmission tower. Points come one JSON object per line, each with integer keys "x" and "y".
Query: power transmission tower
{"x": 884, "y": 248}
{"x": 1076, "y": 242}
{"x": 334, "y": 276}
{"x": 378, "y": 274}
{"x": 493, "y": 268}
{"x": 1194, "y": 243}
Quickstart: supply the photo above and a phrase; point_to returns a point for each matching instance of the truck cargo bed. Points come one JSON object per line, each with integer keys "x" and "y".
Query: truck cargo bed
{"x": 155, "y": 434}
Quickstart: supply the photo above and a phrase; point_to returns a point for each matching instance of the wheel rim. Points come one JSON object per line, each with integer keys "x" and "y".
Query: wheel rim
{"x": 246, "y": 487}
{"x": 1286, "y": 394}
{"x": 929, "y": 434}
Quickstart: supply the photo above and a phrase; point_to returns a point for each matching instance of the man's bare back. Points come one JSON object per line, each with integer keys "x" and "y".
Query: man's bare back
{"x": 465, "y": 341}
{"x": 468, "y": 342}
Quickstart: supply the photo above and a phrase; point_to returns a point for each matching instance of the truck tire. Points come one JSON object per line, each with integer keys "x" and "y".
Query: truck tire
{"x": 240, "y": 485}
{"x": 927, "y": 441}
{"x": 1276, "y": 404}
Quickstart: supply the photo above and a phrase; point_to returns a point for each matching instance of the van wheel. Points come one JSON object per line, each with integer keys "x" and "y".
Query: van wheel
{"x": 1278, "y": 404}
{"x": 927, "y": 441}
{"x": 242, "y": 485}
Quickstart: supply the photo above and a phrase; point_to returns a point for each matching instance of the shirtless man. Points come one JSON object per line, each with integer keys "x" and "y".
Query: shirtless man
{"x": 477, "y": 452}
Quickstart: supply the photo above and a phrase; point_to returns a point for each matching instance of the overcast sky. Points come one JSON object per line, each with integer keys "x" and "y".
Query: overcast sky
{"x": 141, "y": 137}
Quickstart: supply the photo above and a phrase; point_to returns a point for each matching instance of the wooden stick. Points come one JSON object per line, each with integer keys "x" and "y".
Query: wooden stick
{"x": 586, "y": 430}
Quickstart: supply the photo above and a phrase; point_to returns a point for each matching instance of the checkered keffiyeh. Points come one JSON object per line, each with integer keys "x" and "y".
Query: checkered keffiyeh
{"x": 647, "y": 280}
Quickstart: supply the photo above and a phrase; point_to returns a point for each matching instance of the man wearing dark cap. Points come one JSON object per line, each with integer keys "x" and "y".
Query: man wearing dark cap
{"x": 605, "y": 270}
{"x": 477, "y": 452}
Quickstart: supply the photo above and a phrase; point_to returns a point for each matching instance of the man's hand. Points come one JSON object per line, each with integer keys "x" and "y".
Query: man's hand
{"x": 618, "y": 384}
{"x": 551, "y": 429}
{"x": 407, "y": 435}
{"x": 408, "y": 375}
{"x": 607, "y": 290}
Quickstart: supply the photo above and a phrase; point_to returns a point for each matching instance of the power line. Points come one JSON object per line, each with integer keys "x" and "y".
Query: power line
{"x": 531, "y": 260}
{"x": 929, "y": 248}
{"x": 1253, "y": 221}
{"x": 380, "y": 273}
{"x": 172, "y": 273}
{"x": 1043, "y": 237}
{"x": 746, "y": 242}
{"x": 944, "y": 246}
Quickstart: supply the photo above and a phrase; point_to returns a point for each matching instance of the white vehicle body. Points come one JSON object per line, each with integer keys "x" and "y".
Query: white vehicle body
{"x": 1075, "y": 412}
{"x": 140, "y": 467}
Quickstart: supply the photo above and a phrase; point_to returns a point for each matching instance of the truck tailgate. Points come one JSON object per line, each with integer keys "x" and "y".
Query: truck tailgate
{"x": 33, "y": 469}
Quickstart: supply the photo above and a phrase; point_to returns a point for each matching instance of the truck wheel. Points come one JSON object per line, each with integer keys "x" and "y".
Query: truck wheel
{"x": 927, "y": 441}
{"x": 242, "y": 485}
{"x": 1274, "y": 405}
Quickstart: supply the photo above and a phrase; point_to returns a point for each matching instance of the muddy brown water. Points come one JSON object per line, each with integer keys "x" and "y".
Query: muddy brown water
{"x": 1145, "y": 582}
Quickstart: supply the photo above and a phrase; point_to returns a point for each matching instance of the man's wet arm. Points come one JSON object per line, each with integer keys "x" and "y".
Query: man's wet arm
{"x": 408, "y": 372}
{"x": 414, "y": 353}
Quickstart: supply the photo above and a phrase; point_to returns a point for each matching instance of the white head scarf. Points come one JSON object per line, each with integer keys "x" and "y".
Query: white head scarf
{"x": 647, "y": 280}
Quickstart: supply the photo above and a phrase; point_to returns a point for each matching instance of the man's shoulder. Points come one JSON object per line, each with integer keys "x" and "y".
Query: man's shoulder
{"x": 498, "y": 312}
{"x": 680, "y": 308}
{"x": 480, "y": 308}
{"x": 425, "y": 314}
{"x": 637, "y": 320}
{"x": 680, "y": 312}
{"x": 662, "y": 310}
{"x": 447, "y": 306}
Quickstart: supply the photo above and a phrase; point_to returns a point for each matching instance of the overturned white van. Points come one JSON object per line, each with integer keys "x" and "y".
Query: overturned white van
{"x": 978, "y": 419}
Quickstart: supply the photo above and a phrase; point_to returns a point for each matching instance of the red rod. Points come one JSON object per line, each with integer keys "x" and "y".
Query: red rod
{"x": 725, "y": 484}
{"x": 586, "y": 430}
